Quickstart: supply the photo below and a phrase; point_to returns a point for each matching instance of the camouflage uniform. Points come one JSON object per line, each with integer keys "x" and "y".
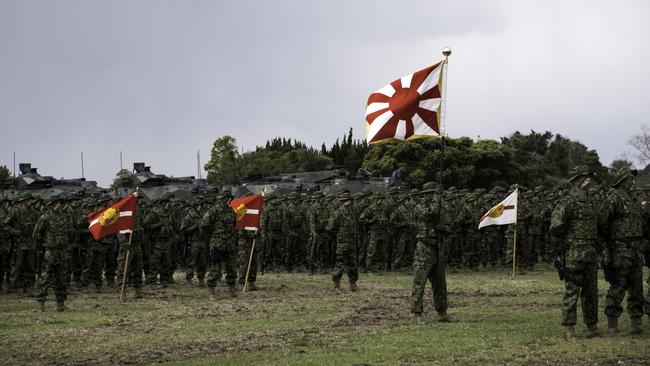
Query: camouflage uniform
{"x": 400, "y": 224}
{"x": 199, "y": 252}
{"x": 375, "y": 217}
{"x": 271, "y": 227}
{"x": 94, "y": 256}
{"x": 51, "y": 230}
{"x": 318, "y": 249}
{"x": 22, "y": 220}
{"x": 157, "y": 222}
{"x": 429, "y": 260}
{"x": 7, "y": 232}
{"x": 575, "y": 219}
{"x": 624, "y": 260}
{"x": 219, "y": 224}
{"x": 293, "y": 229}
{"x": 344, "y": 224}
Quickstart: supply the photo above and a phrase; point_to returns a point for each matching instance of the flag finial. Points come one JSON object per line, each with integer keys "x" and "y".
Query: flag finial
{"x": 446, "y": 51}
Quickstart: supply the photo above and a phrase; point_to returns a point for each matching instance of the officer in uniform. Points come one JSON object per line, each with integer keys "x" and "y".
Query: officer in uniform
{"x": 576, "y": 220}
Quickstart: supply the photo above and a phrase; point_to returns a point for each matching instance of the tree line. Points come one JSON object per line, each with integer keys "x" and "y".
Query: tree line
{"x": 529, "y": 159}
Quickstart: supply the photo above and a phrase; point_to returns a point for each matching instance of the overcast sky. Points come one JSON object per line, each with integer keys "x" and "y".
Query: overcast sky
{"x": 159, "y": 80}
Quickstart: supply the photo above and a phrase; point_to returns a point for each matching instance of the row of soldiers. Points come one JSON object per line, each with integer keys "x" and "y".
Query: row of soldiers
{"x": 292, "y": 235}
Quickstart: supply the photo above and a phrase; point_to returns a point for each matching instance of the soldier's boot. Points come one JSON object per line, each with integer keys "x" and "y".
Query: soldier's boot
{"x": 252, "y": 287}
{"x": 636, "y": 325}
{"x": 41, "y": 306}
{"x": 592, "y": 331}
{"x": 612, "y": 324}
{"x": 137, "y": 293}
{"x": 337, "y": 285}
{"x": 201, "y": 282}
{"x": 353, "y": 286}
{"x": 110, "y": 282}
{"x": 443, "y": 317}
{"x": 212, "y": 292}
{"x": 569, "y": 332}
{"x": 188, "y": 281}
{"x": 232, "y": 290}
{"x": 60, "y": 306}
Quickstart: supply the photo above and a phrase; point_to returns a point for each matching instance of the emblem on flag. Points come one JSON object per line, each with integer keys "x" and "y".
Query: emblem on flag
{"x": 117, "y": 218}
{"x": 240, "y": 211}
{"x": 407, "y": 108}
{"x": 503, "y": 213}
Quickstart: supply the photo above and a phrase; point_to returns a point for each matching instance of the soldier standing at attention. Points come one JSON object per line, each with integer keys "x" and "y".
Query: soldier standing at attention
{"x": 623, "y": 264}
{"x": 575, "y": 220}
{"x": 51, "y": 230}
{"x": 429, "y": 262}
{"x": 344, "y": 224}
{"x": 219, "y": 223}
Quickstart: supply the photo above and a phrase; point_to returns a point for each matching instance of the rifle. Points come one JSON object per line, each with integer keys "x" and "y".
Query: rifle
{"x": 560, "y": 261}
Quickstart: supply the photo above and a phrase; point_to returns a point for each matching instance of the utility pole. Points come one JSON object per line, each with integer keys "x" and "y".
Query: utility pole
{"x": 82, "y": 165}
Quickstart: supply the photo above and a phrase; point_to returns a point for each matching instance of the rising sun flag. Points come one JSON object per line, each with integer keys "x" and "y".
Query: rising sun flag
{"x": 407, "y": 108}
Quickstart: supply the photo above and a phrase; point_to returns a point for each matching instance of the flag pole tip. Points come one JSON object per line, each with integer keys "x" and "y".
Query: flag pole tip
{"x": 446, "y": 51}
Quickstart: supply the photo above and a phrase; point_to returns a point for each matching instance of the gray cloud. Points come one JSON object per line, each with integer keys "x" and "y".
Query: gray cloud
{"x": 160, "y": 79}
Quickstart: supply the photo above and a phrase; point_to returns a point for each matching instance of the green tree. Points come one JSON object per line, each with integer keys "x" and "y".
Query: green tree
{"x": 122, "y": 173}
{"x": 224, "y": 165}
{"x": 5, "y": 173}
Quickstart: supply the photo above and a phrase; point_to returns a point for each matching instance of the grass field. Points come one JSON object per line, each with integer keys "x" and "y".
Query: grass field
{"x": 300, "y": 319}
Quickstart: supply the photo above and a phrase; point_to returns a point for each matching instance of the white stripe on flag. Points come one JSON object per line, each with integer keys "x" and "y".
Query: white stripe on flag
{"x": 252, "y": 211}
{"x": 125, "y": 231}
{"x": 95, "y": 221}
{"x": 126, "y": 213}
{"x": 250, "y": 228}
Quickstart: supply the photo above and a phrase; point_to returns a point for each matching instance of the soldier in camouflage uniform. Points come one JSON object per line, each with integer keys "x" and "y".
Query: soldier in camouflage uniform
{"x": 623, "y": 262}
{"x": 400, "y": 225}
{"x": 219, "y": 224}
{"x": 157, "y": 223}
{"x": 344, "y": 225}
{"x": 22, "y": 220}
{"x": 7, "y": 233}
{"x": 51, "y": 231}
{"x": 318, "y": 250}
{"x": 271, "y": 227}
{"x": 492, "y": 235}
{"x": 429, "y": 261}
{"x": 375, "y": 217}
{"x": 199, "y": 252}
{"x": 293, "y": 228}
{"x": 576, "y": 221}
{"x": 135, "y": 265}
{"x": 95, "y": 252}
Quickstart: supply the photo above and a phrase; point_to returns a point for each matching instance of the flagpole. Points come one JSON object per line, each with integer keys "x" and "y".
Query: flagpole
{"x": 126, "y": 267}
{"x": 514, "y": 241}
{"x": 446, "y": 52}
{"x": 250, "y": 260}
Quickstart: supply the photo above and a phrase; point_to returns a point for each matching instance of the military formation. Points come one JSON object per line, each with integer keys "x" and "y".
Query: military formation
{"x": 579, "y": 227}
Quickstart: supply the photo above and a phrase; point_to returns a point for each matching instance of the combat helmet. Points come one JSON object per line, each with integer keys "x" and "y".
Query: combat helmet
{"x": 623, "y": 174}
{"x": 578, "y": 171}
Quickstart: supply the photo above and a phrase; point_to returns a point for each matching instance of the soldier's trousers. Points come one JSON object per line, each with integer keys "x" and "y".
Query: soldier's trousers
{"x": 4, "y": 265}
{"x": 628, "y": 277}
{"x": 55, "y": 273}
{"x": 23, "y": 269}
{"x": 161, "y": 263}
{"x": 580, "y": 282}
{"x": 426, "y": 267}
{"x": 273, "y": 254}
{"x": 94, "y": 261}
{"x": 134, "y": 268}
{"x": 228, "y": 258}
{"x": 402, "y": 254}
{"x": 110, "y": 260}
{"x": 245, "y": 245}
{"x": 375, "y": 256}
{"x": 291, "y": 252}
{"x": 346, "y": 262}
{"x": 321, "y": 255}
{"x": 197, "y": 261}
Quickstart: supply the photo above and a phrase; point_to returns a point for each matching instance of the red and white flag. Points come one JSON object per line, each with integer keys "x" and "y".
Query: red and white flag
{"x": 118, "y": 218}
{"x": 502, "y": 214}
{"x": 407, "y": 108}
{"x": 248, "y": 211}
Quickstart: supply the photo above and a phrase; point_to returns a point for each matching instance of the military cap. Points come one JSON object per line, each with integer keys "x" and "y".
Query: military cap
{"x": 539, "y": 189}
{"x": 294, "y": 196}
{"x": 429, "y": 187}
{"x": 317, "y": 194}
{"x": 53, "y": 199}
{"x": 578, "y": 171}
{"x": 393, "y": 190}
{"x": 623, "y": 174}
{"x": 23, "y": 197}
{"x": 225, "y": 192}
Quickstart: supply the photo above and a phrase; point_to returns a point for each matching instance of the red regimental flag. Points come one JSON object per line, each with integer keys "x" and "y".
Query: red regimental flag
{"x": 248, "y": 211}
{"x": 406, "y": 108}
{"x": 118, "y": 218}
